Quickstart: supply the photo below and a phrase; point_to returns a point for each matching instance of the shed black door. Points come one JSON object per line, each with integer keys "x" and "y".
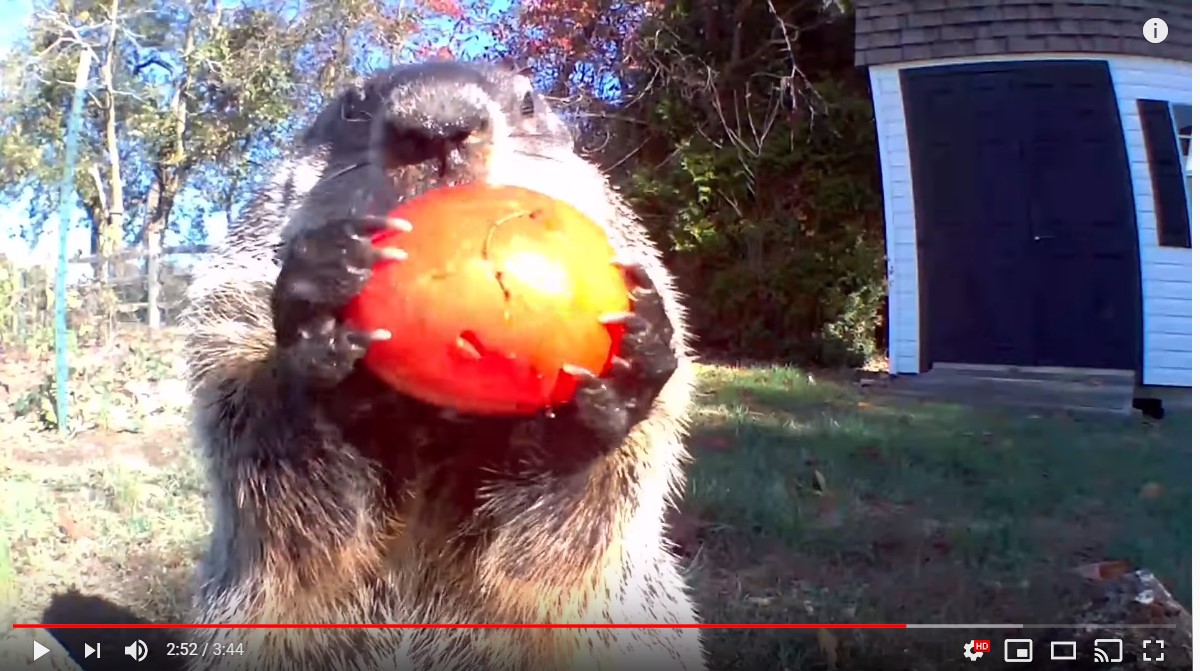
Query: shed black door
{"x": 1027, "y": 241}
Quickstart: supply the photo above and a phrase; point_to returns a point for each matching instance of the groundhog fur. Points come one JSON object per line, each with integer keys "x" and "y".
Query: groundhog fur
{"x": 338, "y": 500}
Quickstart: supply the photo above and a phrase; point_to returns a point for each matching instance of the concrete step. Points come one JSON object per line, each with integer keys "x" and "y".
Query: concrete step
{"x": 1027, "y": 389}
{"x": 1087, "y": 376}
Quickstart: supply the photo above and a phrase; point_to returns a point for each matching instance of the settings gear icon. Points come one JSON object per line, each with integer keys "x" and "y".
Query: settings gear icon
{"x": 970, "y": 653}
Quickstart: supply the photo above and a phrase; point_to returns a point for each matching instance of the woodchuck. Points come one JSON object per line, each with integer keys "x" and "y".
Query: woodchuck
{"x": 336, "y": 499}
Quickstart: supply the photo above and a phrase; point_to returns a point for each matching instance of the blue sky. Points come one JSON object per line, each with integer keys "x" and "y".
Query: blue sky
{"x": 13, "y": 17}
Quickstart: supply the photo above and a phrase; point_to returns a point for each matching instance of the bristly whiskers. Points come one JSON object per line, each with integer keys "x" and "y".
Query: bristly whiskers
{"x": 348, "y": 169}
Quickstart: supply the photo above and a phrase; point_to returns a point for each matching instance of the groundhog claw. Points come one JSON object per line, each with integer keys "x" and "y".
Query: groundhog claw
{"x": 613, "y": 404}
{"x": 372, "y": 224}
{"x": 577, "y": 371}
{"x": 322, "y": 269}
{"x": 617, "y": 318}
{"x": 391, "y": 254}
{"x": 635, "y": 274}
{"x": 619, "y": 366}
{"x": 325, "y": 353}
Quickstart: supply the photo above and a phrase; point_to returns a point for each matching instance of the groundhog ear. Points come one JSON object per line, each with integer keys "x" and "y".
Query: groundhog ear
{"x": 354, "y": 104}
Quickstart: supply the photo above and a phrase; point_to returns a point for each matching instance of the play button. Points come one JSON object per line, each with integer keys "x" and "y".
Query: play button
{"x": 88, "y": 651}
{"x": 39, "y": 650}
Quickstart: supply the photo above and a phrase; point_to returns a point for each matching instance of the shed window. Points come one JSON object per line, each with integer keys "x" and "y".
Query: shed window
{"x": 1167, "y": 130}
{"x": 1183, "y": 131}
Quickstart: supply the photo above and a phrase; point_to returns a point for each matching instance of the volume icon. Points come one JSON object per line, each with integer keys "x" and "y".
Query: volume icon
{"x": 137, "y": 650}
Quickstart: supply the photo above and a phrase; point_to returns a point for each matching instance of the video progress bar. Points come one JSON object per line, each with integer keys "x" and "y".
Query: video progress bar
{"x": 1040, "y": 626}
{"x": 656, "y": 625}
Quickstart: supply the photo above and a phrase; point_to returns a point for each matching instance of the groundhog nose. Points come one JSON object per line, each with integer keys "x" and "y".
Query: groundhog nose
{"x": 420, "y": 136}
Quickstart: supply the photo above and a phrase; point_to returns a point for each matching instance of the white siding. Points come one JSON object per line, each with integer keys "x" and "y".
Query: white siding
{"x": 1166, "y": 272}
{"x": 901, "y": 230}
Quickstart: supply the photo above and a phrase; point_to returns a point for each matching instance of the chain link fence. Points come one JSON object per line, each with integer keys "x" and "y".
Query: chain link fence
{"x": 104, "y": 298}
{"x": 125, "y": 368}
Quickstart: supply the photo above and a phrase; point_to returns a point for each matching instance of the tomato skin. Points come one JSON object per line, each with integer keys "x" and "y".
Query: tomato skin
{"x": 501, "y": 288}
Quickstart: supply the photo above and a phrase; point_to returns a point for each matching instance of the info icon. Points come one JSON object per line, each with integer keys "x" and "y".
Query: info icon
{"x": 1018, "y": 649}
{"x": 1154, "y": 30}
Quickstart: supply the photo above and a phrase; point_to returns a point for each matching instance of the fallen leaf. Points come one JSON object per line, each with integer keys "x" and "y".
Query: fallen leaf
{"x": 941, "y": 546}
{"x": 71, "y": 527}
{"x": 828, "y": 644}
{"x": 871, "y": 452}
{"x": 1105, "y": 570}
{"x": 864, "y": 404}
{"x": 686, "y": 532}
{"x": 1151, "y": 491}
{"x": 818, "y": 482}
{"x": 882, "y": 508}
{"x": 717, "y": 444}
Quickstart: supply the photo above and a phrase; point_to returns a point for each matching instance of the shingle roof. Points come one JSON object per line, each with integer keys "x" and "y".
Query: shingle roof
{"x": 890, "y": 31}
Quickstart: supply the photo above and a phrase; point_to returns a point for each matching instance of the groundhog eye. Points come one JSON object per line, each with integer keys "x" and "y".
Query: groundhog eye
{"x": 353, "y": 110}
{"x": 527, "y": 105}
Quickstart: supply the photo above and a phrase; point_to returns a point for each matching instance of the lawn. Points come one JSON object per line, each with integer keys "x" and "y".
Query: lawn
{"x": 813, "y": 501}
{"x": 809, "y": 500}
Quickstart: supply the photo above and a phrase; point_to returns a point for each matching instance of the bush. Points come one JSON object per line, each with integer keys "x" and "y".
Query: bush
{"x": 770, "y": 211}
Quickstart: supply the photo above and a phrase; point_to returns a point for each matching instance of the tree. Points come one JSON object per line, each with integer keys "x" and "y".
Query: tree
{"x": 190, "y": 100}
{"x": 191, "y": 88}
{"x": 34, "y": 117}
{"x": 757, "y": 167}
{"x": 742, "y": 133}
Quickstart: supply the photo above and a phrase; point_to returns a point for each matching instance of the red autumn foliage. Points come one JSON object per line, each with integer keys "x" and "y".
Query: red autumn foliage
{"x": 450, "y": 8}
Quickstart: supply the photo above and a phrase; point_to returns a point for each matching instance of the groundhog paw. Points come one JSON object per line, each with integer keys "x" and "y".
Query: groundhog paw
{"x": 322, "y": 270}
{"x": 613, "y": 404}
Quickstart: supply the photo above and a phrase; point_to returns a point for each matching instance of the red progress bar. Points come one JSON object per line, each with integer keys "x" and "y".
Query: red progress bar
{"x": 457, "y": 626}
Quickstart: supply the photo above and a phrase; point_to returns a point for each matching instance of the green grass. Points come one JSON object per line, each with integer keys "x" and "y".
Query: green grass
{"x": 928, "y": 513}
{"x": 807, "y": 501}
{"x": 119, "y": 528}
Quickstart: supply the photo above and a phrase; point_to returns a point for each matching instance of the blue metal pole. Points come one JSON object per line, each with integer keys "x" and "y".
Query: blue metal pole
{"x": 65, "y": 189}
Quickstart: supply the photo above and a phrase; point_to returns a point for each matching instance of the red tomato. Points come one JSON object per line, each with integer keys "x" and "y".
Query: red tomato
{"x": 502, "y": 287}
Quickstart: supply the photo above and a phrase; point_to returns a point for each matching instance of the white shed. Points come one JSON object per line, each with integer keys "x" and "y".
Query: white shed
{"x": 1036, "y": 173}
